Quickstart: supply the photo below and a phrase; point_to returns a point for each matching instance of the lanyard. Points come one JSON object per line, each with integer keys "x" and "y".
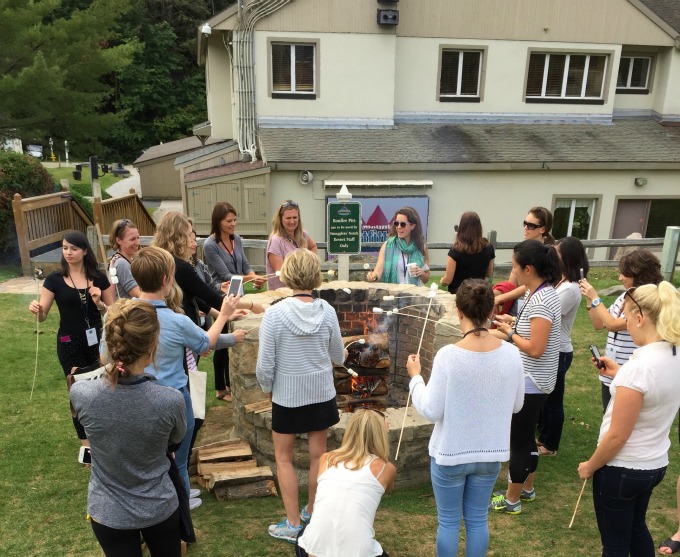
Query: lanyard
{"x": 231, "y": 253}
{"x": 82, "y": 298}
{"x": 404, "y": 260}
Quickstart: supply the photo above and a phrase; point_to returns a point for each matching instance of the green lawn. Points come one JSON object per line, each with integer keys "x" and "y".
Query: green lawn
{"x": 46, "y": 489}
{"x": 83, "y": 185}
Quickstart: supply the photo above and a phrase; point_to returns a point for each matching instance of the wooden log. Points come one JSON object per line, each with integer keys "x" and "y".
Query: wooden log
{"x": 217, "y": 445}
{"x": 193, "y": 470}
{"x": 259, "y": 406}
{"x": 210, "y": 468}
{"x": 203, "y": 482}
{"x": 263, "y": 488}
{"x": 238, "y": 477}
{"x": 343, "y": 401}
{"x": 379, "y": 340}
{"x": 240, "y": 451}
{"x": 344, "y": 387}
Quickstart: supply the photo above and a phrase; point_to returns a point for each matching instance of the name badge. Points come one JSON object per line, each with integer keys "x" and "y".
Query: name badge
{"x": 91, "y": 335}
{"x": 610, "y": 352}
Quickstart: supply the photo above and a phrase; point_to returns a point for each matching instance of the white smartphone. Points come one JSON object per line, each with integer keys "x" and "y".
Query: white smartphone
{"x": 85, "y": 455}
{"x": 235, "y": 285}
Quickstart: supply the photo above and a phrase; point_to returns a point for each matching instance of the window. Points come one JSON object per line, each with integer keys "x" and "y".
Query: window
{"x": 662, "y": 213}
{"x": 634, "y": 74}
{"x": 460, "y": 76}
{"x": 293, "y": 71}
{"x": 573, "y": 217}
{"x": 567, "y": 78}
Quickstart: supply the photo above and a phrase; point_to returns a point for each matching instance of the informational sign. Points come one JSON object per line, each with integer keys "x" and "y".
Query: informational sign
{"x": 344, "y": 227}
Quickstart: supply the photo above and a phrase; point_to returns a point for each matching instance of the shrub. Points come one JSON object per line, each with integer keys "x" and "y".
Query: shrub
{"x": 25, "y": 176}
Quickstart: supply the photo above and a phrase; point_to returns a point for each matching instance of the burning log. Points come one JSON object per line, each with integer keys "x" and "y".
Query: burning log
{"x": 346, "y": 401}
{"x": 373, "y": 353}
{"x": 380, "y": 340}
{"x": 374, "y": 386}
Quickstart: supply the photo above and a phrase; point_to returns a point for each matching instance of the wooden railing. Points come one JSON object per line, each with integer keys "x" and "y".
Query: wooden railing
{"x": 42, "y": 220}
{"x": 127, "y": 207}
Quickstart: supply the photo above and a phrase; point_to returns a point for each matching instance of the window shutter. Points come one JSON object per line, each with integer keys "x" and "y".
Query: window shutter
{"x": 281, "y": 67}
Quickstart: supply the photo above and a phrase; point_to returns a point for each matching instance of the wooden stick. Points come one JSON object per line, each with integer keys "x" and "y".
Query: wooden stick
{"x": 577, "y": 502}
{"x": 36, "y": 274}
{"x": 408, "y": 400}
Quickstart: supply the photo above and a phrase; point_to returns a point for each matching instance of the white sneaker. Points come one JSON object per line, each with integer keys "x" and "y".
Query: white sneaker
{"x": 193, "y": 493}
{"x": 194, "y": 503}
{"x": 284, "y": 531}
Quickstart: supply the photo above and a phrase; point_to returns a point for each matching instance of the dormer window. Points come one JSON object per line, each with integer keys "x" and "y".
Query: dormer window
{"x": 633, "y": 76}
{"x": 293, "y": 71}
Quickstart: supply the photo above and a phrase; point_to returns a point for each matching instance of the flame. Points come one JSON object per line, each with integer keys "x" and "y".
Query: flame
{"x": 370, "y": 325}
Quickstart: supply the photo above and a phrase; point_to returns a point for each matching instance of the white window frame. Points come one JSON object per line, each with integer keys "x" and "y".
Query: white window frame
{"x": 628, "y": 88}
{"x": 562, "y": 97}
{"x": 293, "y": 93}
{"x": 459, "y": 81}
{"x": 572, "y": 211}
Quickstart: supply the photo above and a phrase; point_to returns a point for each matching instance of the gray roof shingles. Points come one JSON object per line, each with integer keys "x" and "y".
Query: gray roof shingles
{"x": 668, "y": 10}
{"x": 623, "y": 141}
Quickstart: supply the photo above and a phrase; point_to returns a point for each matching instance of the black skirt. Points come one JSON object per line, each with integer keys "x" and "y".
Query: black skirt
{"x": 303, "y": 419}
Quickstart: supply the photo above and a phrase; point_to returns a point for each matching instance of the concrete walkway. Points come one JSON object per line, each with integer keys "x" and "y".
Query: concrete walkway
{"x": 21, "y": 285}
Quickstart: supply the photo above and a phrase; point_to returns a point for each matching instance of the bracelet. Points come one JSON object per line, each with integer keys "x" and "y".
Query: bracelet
{"x": 251, "y": 305}
{"x": 102, "y": 308}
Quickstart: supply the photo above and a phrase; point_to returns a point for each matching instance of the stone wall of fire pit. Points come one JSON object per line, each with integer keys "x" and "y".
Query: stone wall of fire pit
{"x": 354, "y": 303}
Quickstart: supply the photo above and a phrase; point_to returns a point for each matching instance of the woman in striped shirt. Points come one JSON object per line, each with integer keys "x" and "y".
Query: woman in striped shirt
{"x": 536, "y": 332}
{"x": 299, "y": 341}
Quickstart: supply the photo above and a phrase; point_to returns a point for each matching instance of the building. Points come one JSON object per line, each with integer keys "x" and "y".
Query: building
{"x": 493, "y": 106}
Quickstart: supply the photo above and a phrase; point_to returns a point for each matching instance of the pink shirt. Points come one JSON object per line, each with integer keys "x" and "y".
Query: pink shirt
{"x": 281, "y": 247}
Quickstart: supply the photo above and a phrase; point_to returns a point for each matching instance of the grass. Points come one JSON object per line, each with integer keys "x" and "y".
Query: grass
{"x": 83, "y": 186}
{"x": 46, "y": 489}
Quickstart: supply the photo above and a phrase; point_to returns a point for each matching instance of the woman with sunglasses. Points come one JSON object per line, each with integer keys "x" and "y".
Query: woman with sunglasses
{"x": 574, "y": 265}
{"x": 632, "y": 450}
{"x": 286, "y": 237}
{"x": 536, "y": 332}
{"x": 403, "y": 259}
{"x": 475, "y": 387}
{"x": 352, "y": 481}
{"x": 537, "y": 226}
{"x": 470, "y": 256}
{"x": 82, "y": 293}
{"x": 124, "y": 238}
{"x": 636, "y": 268}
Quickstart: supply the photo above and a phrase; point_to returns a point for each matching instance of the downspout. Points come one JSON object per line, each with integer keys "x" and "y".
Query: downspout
{"x": 244, "y": 71}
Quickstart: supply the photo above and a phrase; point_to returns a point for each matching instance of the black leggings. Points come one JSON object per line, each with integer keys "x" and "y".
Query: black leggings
{"x": 523, "y": 451}
{"x": 162, "y": 539}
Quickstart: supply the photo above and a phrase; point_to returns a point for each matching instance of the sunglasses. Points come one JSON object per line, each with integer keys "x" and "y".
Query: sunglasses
{"x": 400, "y": 224}
{"x": 289, "y": 203}
{"x": 531, "y": 225}
{"x": 629, "y": 294}
{"x": 122, "y": 223}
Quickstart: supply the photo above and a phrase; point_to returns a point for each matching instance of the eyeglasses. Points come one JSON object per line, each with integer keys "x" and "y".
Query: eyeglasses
{"x": 629, "y": 294}
{"x": 122, "y": 223}
{"x": 530, "y": 225}
{"x": 400, "y": 224}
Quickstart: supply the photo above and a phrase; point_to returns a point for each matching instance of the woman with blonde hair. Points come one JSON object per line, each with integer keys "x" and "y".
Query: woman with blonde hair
{"x": 632, "y": 451}
{"x": 403, "y": 259}
{"x": 299, "y": 341}
{"x": 287, "y": 236}
{"x": 470, "y": 256}
{"x": 124, "y": 238}
{"x": 352, "y": 480}
{"x": 130, "y": 490}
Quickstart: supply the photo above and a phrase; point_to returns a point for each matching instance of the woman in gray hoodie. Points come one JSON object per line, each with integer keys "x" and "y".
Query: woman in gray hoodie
{"x": 299, "y": 341}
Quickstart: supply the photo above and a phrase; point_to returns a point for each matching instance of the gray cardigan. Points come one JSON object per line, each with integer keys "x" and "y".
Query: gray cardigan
{"x": 221, "y": 264}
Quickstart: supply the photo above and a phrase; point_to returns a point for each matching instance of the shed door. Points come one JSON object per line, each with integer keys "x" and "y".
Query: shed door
{"x": 631, "y": 216}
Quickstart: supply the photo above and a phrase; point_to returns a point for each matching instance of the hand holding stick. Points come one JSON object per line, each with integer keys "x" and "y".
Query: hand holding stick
{"x": 578, "y": 502}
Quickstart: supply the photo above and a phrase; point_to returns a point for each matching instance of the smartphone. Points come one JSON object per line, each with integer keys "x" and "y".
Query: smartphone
{"x": 85, "y": 455}
{"x": 596, "y": 354}
{"x": 235, "y": 285}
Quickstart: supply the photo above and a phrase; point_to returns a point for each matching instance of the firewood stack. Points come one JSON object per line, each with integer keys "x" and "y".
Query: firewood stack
{"x": 228, "y": 469}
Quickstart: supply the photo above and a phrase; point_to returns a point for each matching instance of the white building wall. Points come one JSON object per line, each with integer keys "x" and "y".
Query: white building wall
{"x": 670, "y": 102}
{"x": 219, "y": 89}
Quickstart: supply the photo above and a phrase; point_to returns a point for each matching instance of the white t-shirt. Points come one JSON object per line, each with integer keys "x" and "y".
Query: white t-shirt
{"x": 570, "y": 300}
{"x": 654, "y": 371}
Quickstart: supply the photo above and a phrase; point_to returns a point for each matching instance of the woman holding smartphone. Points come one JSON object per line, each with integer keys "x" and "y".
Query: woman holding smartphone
{"x": 632, "y": 451}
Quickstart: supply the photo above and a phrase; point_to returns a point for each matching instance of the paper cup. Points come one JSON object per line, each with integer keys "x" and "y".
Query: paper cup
{"x": 412, "y": 268}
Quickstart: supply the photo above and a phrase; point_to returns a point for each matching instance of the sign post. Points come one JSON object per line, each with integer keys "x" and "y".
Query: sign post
{"x": 344, "y": 230}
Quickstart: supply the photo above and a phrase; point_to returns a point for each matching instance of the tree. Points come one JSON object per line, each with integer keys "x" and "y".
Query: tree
{"x": 54, "y": 60}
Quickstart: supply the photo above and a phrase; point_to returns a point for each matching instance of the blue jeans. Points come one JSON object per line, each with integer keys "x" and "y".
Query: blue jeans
{"x": 463, "y": 491}
{"x": 182, "y": 454}
{"x": 621, "y": 497}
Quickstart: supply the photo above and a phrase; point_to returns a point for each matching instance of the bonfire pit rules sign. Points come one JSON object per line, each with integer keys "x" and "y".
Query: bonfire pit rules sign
{"x": 344, "y": 228}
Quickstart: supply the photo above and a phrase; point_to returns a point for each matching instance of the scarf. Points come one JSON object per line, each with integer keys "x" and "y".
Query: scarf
{"x": 394, "y": 249}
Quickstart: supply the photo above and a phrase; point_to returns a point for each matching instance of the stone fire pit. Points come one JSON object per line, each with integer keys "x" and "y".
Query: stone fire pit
{"x": 354, "y": 309}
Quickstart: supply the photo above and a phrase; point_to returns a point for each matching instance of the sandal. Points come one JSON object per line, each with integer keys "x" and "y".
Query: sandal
{"x": 224, "y": 395}
{"x": 543, "y": 451}
{"x": 671, "y": 544}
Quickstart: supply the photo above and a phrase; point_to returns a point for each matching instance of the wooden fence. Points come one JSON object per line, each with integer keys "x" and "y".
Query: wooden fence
{"x": 42, "y": 220}
{"x": 126, "y": 207}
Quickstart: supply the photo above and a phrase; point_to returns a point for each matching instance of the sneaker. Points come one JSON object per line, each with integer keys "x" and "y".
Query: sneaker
{"x": 194, "y": 503}
{"x": 284, "y": 531}
{"x": 305, "y": 517}
{"x": 193, "y": 493}
{"x": 526, "y": 496}
{"x": 500, "y": 503}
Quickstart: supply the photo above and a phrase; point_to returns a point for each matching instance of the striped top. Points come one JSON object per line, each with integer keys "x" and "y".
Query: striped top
{"x": 298, "y": 343}
{"x": 620, "y": 341}
{"x": 545, "y": 304}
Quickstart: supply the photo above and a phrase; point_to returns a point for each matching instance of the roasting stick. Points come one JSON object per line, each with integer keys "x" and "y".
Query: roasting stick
{"x": 432, "y": 294}
{"x": 396, "y": 311}
{"x": 264, "y": 277}
{"x": 37, "y": 275}
{"x": 577, "y": 502}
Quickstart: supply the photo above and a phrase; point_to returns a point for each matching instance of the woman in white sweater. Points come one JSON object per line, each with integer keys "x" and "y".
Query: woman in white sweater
{"x": 475, "y": 387}
{"x": 632, "y": 451}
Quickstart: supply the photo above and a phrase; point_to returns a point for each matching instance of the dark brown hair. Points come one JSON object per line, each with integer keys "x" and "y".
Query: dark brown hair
{"x": 546, "y": 218}
{"x": 642, "y": 266}
{"x": 417, "y": 234}
{"x": 542, "y": 258}
{"x": 78, "y": 239}
{"x": 475, "y": 300}
{"x": 220, "y": 211}
{"x": 469, "y": 238}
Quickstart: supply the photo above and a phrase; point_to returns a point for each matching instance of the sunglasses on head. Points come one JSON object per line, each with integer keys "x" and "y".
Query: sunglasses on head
{"x": 289, "y": 203}
{"x": 400, "y": 224}
{"x": 122, "y": 223}
{"x": 629, "y": 294}
{"x": 530, "y": 225}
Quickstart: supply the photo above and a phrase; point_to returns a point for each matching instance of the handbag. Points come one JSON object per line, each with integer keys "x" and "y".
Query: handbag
{"x": 198, "y": 381}
{"x": 86, "y": 373}
{"x": 186, "y": 525}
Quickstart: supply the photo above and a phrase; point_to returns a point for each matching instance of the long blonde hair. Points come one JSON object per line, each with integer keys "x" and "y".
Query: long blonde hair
{"x": 172, "y": 234}
{"x": 277, "y": 224}
{"x": 661, "y": 304}
{"x": 365, "y": 435}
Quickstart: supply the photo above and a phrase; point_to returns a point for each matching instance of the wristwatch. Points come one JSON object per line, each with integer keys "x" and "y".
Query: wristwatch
{"x": 596, "y": 302}
{"x": 510, "y": 336}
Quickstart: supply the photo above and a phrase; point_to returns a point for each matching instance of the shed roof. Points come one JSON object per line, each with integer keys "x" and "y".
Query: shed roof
{"x": 625, "y": 141}
{"x": 172, "y": 148}
{"x": 224, "y": 170}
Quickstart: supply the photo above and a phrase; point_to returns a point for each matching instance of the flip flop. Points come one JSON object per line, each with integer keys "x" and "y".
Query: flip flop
{"x": 671, "y": 544}
{"x": 543, "y": 451}
{"x": 225, "y": 396}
